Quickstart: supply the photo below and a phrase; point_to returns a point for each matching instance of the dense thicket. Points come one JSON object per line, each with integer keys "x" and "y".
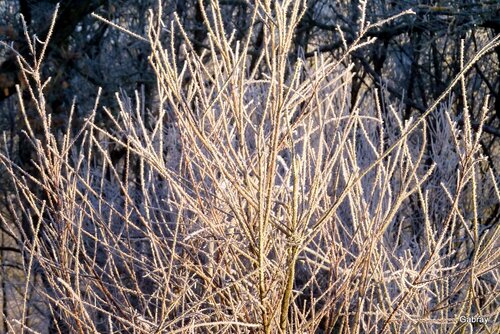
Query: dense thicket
{"x": 249, "y": 166}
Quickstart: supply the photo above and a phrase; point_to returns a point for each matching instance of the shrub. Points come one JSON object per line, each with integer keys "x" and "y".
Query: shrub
{"x": 257, "y": 201}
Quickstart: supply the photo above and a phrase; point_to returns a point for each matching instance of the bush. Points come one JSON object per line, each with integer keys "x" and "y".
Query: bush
{"x": 257, "y": 200}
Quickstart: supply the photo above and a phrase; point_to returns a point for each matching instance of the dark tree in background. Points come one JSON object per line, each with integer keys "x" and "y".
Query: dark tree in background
{"x": 412, "y": 61}
{"x": 420, "y": 53}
